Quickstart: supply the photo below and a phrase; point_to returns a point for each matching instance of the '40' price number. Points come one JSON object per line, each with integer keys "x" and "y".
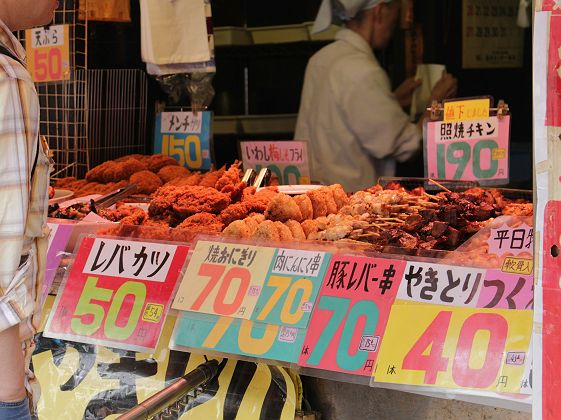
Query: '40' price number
{"x": 186, "y": 149}
{"x": 481, "y": 159}
{"x": 112, "y": 324}
{"x": 455, "y": 348}
{"x": 342, "y": 325}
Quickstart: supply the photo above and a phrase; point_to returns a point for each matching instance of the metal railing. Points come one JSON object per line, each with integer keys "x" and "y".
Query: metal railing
{"x": 170, "y": 402}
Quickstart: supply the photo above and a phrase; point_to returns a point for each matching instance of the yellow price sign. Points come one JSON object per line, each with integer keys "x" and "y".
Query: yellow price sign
{"x": 224, "y": 279}
{"x": 469, "y": 110}
{"x": 453, "y": 347}
{"x": 48, "y": 53}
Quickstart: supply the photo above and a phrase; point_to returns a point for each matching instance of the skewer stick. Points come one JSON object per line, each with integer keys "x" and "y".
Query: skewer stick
{"x": 440, "y": 185}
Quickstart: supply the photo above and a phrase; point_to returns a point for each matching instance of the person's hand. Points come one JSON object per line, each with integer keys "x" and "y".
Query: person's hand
{"x": 404, "y": 92}
{"x": 445, "y": 88}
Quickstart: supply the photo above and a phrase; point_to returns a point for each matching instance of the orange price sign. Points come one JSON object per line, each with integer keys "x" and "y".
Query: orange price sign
{"x": 455, "y": 347}
{"x": 48, "y": 53}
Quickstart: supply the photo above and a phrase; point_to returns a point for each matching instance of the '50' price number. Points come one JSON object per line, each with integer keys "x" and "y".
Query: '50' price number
{"x": 90, "y": 317}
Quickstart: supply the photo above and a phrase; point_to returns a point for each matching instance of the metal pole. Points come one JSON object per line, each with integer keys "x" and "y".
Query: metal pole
{"x": 172, "y": 393}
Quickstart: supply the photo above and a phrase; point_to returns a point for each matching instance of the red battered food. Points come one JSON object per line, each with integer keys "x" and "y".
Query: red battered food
{"x": 202, "y": 222}
{"x": 158, "y": 161}
{"x": 187, "y": 200}
{"x": 233, "y": 212}
{"x": 229, "y": 178}
{"x": 171, "y": 172}
{"x": 258, "y": 201}
{"x": 211, "y": 178}
{"x": 146, "y": 182}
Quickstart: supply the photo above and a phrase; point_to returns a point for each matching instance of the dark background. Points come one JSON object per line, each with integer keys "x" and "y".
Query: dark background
{"x": 276, "y": 72}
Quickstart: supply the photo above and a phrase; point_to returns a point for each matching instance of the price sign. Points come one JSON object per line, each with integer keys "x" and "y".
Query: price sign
{"x": 441, "y": 284}
{"x": 511, "y": 240}
{"x": 185, "y": 136}
{"x": 468, "y": 150}
{"x": 291, "y": 288}
{"x": 453, "y": 347}
{"x": 117, "y": 294}
{"x": 238, "y": 336}
{"x": 48, "y": 53}
{"x": 509, "y": 291}
{"x": 58, "y": 239}
{"x": 469, "y": 110}
{"x": 224, "y": 279}
{"x": 288, "y": 160}
{"x": 350, "y": 317}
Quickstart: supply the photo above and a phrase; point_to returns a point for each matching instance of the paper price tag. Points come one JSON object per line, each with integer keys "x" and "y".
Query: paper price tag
{"x": 48, "y": 53}
{"x": 514, "y": 265}
{"x": 112, "y": 310}
{"x": 238, "y": 336}
{"x": 472, "y": 109}
{"x": 441, "y": 284}
{"x": 291, "y": 287}
{"x": 351, "y": 313}
{"x": 185, "y": 136}
{"x": 468, "y": 150}
{"x": 288, "y": 160}
{"x": 452, "y": 347}
{"x": 509, "y": 291}
{"x": 222, "y": 279}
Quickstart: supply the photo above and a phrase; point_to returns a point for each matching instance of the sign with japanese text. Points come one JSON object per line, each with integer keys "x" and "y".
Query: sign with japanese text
{"x": 87, "y": 381}
{"x": 291, "y": 287}
{"x": 468, "y": 150}
{"x": 508, "y": 291}
{"x": 48, "y": 53}
{"x": 186, "y": 137}
{"x": 453, "y": 347}
{"x": 510, "y": 240}
{"x": 224, "y": 279}
{"x": 238, "y": 336}
{"x": 118, "y": 293}
{"x": 350, "y": 316}
{"x": 490, "y": 36}
{"x": 288, "y": 160}
{"x": 58, "y": 239}
{"x": 515, "y": 265}
{"x": 441, "y": 284}
{"x": 467, "y": 110}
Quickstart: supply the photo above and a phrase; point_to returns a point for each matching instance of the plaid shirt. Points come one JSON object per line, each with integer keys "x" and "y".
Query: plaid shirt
{"x": 23, "y": 201}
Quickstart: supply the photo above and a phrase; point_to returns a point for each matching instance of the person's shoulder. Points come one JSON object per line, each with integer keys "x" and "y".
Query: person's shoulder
{"x": 13, "y": 69}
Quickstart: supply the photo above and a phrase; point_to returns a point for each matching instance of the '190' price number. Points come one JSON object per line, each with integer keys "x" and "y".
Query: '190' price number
{"x": 481, "y": 158}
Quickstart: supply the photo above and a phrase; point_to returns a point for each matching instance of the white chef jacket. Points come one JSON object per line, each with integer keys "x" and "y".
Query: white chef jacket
{"x": 348, "y": 114}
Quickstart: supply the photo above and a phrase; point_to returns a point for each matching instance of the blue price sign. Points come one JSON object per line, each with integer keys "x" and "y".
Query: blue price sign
{"x": 238, "y": 336}
{"x": 185, "y": 136}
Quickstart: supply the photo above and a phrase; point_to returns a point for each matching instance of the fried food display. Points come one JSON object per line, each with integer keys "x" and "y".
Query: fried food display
{"x": 146, "y": 182}
{"x": 170, "y": 172}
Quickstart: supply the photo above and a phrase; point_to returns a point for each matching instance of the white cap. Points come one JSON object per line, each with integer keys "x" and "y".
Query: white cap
{"x": 340, "y": 11}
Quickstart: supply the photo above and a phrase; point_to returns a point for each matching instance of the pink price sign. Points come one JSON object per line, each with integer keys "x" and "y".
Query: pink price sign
{"x": 351, "y": 313}
{"x": 506, "y": 291}
{"x": 468, "y": 150}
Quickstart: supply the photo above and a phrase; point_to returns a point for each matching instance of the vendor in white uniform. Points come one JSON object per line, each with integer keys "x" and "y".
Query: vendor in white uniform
{"x": 355, "y": 125}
